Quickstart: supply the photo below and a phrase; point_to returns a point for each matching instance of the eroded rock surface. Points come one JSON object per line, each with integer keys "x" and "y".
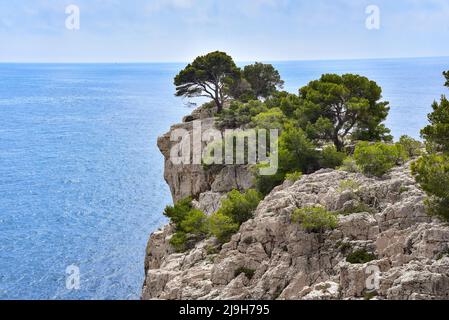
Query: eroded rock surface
{"x": 385, "y": 217}
{"x": 195, "y": 179}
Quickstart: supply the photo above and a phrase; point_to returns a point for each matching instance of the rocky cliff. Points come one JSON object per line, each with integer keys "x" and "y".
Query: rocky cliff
{"x": 206, "y": 185}
{"x": 273, "y": 258}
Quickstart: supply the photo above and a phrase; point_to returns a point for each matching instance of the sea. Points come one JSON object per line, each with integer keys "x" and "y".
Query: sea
{"x": 81, "y": 178}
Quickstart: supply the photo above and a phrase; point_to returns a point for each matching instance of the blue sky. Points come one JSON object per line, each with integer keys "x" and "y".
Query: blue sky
{"x": 179, "y": 30}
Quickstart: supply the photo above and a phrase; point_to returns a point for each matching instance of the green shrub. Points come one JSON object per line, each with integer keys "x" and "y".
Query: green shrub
{"x": 189, "y": 224}
{"x": 294, "y": 176}
{"x": 378, "y": 158}
{"x": 195, "y": 223}
{"x": 212, "y": 250}
{"x": 331, "y": 158}
{"x": 215, "y": 153}
{"x": 222, "y": 227}
{"x": 240, "y": 114}
{"x": 344, "y": 247}
{"x": 432, "y": 174}
{"x": 296, "y": 153}
{"x": 360, "y": 257}
{"x": 432, "y": 171}
{"x": 179, "y": 241}
{"x": 271, "y": 119}
{"x": 436, "y": 133}
{"x": 348, "y": 184}
{"x": 249, "y": 273}
{"x": 235, "y": 209}
{"x": 349, "y": 165}
{"x": 411, "y": 146}
{"x": 358, "y": 208}
{"x": 240, "y": 206}
{"x": 266, "y": 184}
{"x": 315, "y": 219}
{"x": 178, "y": 212}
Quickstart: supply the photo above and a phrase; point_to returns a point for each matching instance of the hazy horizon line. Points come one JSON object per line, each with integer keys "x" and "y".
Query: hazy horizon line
{"x": 237, "y": 61}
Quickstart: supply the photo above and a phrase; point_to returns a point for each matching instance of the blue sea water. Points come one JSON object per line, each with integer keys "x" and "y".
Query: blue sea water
{"x": 81, "y": 179}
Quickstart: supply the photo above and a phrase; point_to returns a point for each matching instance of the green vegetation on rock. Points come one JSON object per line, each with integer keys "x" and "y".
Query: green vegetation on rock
{"x": 340, "y": 106}
{"x": 331, "y": 158}
{"x": 349, "y": 185}
{"x": 179, "y": 211}
{"x": 335, "y": 121}
{"x": 411, "y": 146}
{"x": 235, "y": 209}
{"x": 294, "y": 176}
{"x": 315, "y": 219}
{"x": 431, "y": 171}
{"x": 360, "y": 257}
{"x": 193, "y": 225}
{"x": 240, "y": 206}
{"x": 222, "y": 227}
{"x": 378, "y": 158}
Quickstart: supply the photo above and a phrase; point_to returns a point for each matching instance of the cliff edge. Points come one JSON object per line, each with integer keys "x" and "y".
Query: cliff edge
{"x": 384, "y": 247}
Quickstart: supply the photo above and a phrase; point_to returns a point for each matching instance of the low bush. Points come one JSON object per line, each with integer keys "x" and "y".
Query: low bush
{"x": 235, "y": 209}
{"x": 190, "y": 224}
{"x": 222, "y": 227}
{"x": 195, "y": 223}
{"x": 315, "y": 219}
{"x": 179, "y": 241}
{"x": 240, "y": 114}
{"x": 348, "y": 185}
{"x": 271, "y": 119}
{"x": 359, "y": 207}
{"x": 212, "y": 250}
{"x": 178, "y": 212}
{"x": 331, "y": 158}
{"x": 344, "y": 247}
{"x": 296, "y": 153}
{"x": 360, "y": 257}
{"x": 294, "y": 176}
{"x": 240, "y": 206}
{"x": 414, "y": 148}
{"x": 266, "y": 184}
{"x": 349, "y": 165}
{"x": 378, "y": 158}
{"x": 432, "y": 174}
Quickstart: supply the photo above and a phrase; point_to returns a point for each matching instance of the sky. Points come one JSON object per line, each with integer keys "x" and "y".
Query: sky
{"x": 249, "y": 30}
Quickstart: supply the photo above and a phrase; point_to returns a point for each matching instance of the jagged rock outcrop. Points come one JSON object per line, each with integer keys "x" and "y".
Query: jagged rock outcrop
{"x": 286, "y": 262}
{"x": 194, "y": 179}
